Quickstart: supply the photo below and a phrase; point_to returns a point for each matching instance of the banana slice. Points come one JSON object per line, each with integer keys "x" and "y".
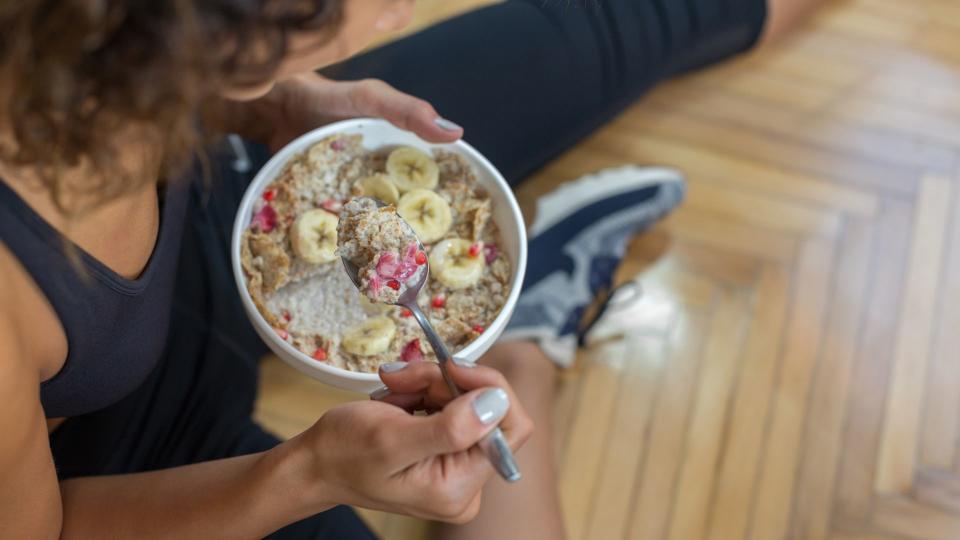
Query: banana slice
{"x": 379, "y": 187}
{"x": 410, "y": 169}
{"x": 427, "y": 213}
{"x": 453, "y": 265}
{"x": 372, "y": 336}
{"x": 314, "y": 236}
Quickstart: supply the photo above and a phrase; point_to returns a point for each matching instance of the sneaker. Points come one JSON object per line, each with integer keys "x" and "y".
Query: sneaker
{"x": 577, "y": 241}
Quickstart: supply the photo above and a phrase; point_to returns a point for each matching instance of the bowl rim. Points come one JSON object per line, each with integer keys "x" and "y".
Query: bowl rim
{"x": 301, "y": 143}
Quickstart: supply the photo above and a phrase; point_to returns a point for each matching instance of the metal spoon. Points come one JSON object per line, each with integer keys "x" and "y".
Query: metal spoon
{"x": 494, "y": 443}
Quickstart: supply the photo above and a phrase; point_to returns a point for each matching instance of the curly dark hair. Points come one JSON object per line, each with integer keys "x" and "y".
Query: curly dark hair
{"x": 77, "y": 72}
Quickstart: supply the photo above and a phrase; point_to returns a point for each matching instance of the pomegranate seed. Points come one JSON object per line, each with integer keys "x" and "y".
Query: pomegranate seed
{"x": 265, "y": 220}
{"x": 320, "y": 355}
{"x": 478, "y": 329}
{"x": 284, "y": 335}
{"x": 411, "y": 352}
{"x": 332, "y": 205}
{"x": 490, "y": 253}
{"x": 475, "y": 249}
{"x": 394, "y": 284}
{"x": 438, "y": 301}
{"x": 338, "y": 145}
{"x": 421, "y": 258}
{"x": 287, "y": 316}
{"x": 269, "y": 195}
{"x": 406, "y": 313}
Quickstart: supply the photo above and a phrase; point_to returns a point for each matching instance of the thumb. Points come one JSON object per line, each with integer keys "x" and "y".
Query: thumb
{"x": 461, "y": 424}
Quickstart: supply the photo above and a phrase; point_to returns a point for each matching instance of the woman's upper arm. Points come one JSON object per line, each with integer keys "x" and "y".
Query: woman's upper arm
{"x": 29, "y": 492}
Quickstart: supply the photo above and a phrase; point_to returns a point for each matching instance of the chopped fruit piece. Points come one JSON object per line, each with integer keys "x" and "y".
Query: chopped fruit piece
{"x": 475, "y": 249}
{"x": 265, "y": 220}
{"x": 375, "y": 284}
{"x": 406, "y": 313}
{"x": 394, "y": 284}
{"x": 438, "y": 301}
{"x": 421, "y": 258}
{"x": 490, "y": 253}
{"x": 478, "y": 329}
{"x": 411, "y": 352}
{"x": 269, "y": 195}
{"x": 287, "y": 316}
{"x": 338, "y": 145}
{"x": 320, "y": 354}
{"x": 332, "y": 205}
{"x": 388, "y": 264}
{"x": 284, "y": 335}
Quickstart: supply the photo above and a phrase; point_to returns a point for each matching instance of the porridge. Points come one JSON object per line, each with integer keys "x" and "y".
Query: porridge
{"x": 383, "y": 247}
{"x": 291, "y": 250}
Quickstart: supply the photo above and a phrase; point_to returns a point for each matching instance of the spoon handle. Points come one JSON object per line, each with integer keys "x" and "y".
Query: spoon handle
{"x": 494, "y": 444}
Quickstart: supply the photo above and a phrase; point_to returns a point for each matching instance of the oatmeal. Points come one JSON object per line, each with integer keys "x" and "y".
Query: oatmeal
{"x": 383, "y": 247}
{"x": 316, "y": 210}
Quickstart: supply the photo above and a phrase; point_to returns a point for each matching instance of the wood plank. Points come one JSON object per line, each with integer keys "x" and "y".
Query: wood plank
{"x": 591, "y": 423}
{"x": 940, "y": 489}
{"x": 904, "y": 516}
{"x": 864, "y": 418}
{"x": 883, "y": 146}
{"x": 702, "y": 162}
{"x": 822, "y": 175}
{"x": 822, "y": 437}
{"x": 903, "y": 410}
{"x": 801, "y": 348}
{"x": 738, "y": 466}
{"x": 720, "y": 233}
{"x": 625, "y": 446}
{"x": 655, "y": 484}
{"x": 723, "y": 351}
{"x": 941, "y": 421}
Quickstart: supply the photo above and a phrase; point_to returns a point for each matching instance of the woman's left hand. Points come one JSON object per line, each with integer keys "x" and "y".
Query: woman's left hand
{"x": 306, "y": 102}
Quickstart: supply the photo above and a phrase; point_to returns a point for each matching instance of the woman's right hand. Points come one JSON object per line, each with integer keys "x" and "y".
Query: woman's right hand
{"x": 377, "y": 455}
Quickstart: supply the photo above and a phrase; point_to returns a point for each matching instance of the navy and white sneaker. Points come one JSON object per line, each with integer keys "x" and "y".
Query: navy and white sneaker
{"x": 577, "y": 241}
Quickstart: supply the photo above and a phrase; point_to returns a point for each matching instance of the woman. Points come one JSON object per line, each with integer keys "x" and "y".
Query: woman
{"x": 123, "y": 348}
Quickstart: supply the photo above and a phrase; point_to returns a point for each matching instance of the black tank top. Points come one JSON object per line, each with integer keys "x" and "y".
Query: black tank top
{"x": 116, "y": 327}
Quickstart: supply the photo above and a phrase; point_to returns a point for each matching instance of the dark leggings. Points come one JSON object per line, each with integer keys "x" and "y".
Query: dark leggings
{"x": 526, "y": 78}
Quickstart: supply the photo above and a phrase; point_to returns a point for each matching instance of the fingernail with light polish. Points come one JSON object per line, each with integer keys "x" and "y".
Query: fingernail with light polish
{"x": 380, "y": 393}
{"x": 463, "y": 362}
{"x": 446, "y": 125}
{"x": 491, "y": 405}
{"x": 393, "y": 367}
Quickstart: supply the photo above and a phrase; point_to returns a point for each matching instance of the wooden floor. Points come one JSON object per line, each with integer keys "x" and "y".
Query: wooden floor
{"x": 795, "y": 367}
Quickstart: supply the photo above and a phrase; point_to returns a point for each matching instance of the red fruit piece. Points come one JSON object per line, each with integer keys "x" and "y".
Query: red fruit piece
{"x": 475, "y": 249}
{"x": 287, "y": 316}
{"x": 411, "y": 352}
{"x": 332, "y": 205}
{"x": 478, "y": 329}
{"x": 338, "y": 145}
{"x": 375, "y": 283}
{"x": 421, "y": 258}
{"x": 269, "y": 195}
{"x": 265, "y": 220}
{"x": 320, "y": 354}
{"x": 284, "y": 335}
{"x": 394, "y": 284}
{"x": 490, "y": 253}
{"x": 388, "y": 265}
{"x": 438, "y": 301}
{"x": 406, "y": 313}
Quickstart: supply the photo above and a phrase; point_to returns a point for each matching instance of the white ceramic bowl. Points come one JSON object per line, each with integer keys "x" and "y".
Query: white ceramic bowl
{"x": 377, "y": 134}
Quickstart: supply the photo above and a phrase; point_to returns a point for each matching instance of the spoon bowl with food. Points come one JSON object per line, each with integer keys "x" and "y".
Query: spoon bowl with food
{"x": 385, "y": 259}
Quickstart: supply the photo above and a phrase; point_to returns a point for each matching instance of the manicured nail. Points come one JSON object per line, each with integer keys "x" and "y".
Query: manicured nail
{"x": 393, "y": 367}
{"x": 446, "y": 125}
{"x": 380, "y": 393}
{"x": 491, "y": 405}
{"x": 464, "y": 363}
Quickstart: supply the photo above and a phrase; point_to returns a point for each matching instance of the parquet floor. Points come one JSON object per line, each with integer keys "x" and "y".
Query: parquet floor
{"x": 794, "y": 369}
